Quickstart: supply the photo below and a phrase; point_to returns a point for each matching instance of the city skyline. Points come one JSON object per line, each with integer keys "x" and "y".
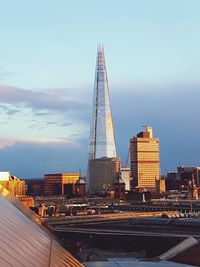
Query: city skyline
{"x": 46, "y": 80}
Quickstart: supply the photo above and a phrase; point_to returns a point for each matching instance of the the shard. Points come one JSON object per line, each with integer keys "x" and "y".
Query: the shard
{"x": 102, "y": 140}
{"x": 103, "y": 164}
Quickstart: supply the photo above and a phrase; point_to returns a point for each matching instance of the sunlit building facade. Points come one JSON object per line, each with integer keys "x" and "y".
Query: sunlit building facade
{"x": 144, "y": 156}
{"x": 102, "y": 140}
{"x": 125, "y": 175}
{"x": 102, "y": 161}
{"x": 12, "y": 183}
{"x": 60, "y": 183}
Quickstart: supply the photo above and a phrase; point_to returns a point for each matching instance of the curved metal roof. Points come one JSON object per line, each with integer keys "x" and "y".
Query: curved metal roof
{"x": 23, "y": 242}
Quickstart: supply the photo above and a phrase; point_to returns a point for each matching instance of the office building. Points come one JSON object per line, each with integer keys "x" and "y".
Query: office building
{"x": 144, "y": 156}
{"x": 102, "y": 161}
{"x": 60, "y": 184}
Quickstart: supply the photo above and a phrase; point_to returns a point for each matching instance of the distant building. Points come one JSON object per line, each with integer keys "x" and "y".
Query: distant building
{"x": 103, "y": 172}
{"x": 144, "y": 156}
{"x": 12, "y": 183}
{"x": 186, "y": 174}
{"x": 80, "y": 187}
{"x": 60, "y": 184}
{"x": 182, "y": 178}
{"x": 160, "y": 186}
{"x": 125, "y": 175}
{"x": 172, "y": 181}
{"x": 136, "y": 196}
{"x": 103, "y": 163}
{"x": 119, "y": 189}
{"x": 34, "y": 187}
{"x": 28, "y": 201}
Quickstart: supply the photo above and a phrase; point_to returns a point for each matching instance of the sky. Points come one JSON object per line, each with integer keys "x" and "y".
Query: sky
{"x": 47, "y": 65}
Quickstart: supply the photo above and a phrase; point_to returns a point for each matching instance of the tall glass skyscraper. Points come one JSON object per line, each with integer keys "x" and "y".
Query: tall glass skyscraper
{"x": 102, "y": 140}
{"x": 103, "y": 163}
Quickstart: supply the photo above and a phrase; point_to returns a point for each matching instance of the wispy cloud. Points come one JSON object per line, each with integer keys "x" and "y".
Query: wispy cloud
{"x": 41, "y": 102}
{"x": 8, "y": 109}
{"x": 10, "y": 141}
{"x": 5, "y": 74}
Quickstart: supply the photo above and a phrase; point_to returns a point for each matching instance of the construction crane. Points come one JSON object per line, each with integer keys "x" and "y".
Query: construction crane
{"x": 127, "y": 158}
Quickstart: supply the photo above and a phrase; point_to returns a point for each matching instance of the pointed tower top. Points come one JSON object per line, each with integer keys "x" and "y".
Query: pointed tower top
{"x": 102, "y": 140}
{"x": 101, "y": 64}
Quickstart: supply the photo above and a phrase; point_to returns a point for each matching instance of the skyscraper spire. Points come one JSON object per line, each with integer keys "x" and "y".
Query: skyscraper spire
{"x": 102, "y": 140}
{"x": 103, "y": 164}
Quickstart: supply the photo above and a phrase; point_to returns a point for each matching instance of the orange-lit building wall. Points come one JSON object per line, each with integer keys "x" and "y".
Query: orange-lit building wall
{"x": 15, "y": 187}
{"x": 55, "y": 184}
{"x": 145, "y": 164}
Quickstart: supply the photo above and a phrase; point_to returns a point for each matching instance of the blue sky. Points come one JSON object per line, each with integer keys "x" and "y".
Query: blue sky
{"x": 48, "y": 54}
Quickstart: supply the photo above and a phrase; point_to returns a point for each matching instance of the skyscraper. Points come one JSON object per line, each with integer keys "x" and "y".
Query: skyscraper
{"x": 102, "y": 140}
{"x": 103, "y": 164}
{"x": 144, "y": 156}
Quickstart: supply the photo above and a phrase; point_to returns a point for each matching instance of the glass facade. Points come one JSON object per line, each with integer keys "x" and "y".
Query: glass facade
{"x": 102, "y": 140}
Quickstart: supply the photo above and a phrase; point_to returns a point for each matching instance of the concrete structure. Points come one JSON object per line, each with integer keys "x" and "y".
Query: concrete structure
{"x": 125, "y": 175}
{"x": 103, "y": 172}
{"x": 60, "y": 183}
{"x": 102, "y": 160}
{"x": 12, "y": 183}
{"x": 144, "y": 156}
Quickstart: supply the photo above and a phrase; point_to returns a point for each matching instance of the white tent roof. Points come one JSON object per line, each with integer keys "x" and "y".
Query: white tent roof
{"x": 23, "y": 242}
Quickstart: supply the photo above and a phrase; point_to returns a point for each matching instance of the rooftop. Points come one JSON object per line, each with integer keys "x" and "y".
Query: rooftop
{"x": 24, "y": 241}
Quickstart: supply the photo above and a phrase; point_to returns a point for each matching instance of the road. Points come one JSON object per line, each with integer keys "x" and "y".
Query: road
{"x": 124, "y": 232}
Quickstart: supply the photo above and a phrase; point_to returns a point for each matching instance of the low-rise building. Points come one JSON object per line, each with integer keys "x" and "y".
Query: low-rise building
{"x": 34, "y": 187}
{"x": 60, "y": 183}
{"x": 125, "y": 174}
